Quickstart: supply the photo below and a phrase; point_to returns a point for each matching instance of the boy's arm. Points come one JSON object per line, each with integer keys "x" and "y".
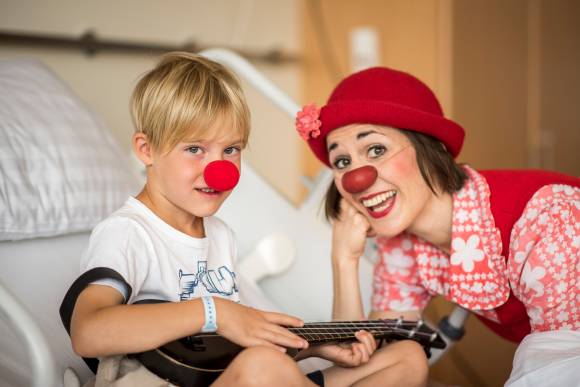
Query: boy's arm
{"x": 101, "y": 325}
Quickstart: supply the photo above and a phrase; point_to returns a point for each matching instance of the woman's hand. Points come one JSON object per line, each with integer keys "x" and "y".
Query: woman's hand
{"x": 348, "y": 354}
{"x": 349, "y": 233}
{"x": 250, "y": 327}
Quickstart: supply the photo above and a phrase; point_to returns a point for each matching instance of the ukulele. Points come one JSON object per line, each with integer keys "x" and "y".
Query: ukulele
{"x": 198, "y": 360}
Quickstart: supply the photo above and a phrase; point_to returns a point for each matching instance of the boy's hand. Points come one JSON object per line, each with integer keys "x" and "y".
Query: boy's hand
{"x": 250, "y": 327}
{"x": 348, "y": 355}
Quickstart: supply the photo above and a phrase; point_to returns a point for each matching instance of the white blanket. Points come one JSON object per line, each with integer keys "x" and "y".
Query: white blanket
{"x": 547, "y": 359}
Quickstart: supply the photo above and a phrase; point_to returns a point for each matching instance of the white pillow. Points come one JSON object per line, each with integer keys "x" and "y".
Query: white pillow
{"x": 60, "y": 169}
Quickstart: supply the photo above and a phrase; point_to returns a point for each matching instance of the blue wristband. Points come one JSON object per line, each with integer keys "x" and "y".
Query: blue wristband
{"x": 210, "y": 324}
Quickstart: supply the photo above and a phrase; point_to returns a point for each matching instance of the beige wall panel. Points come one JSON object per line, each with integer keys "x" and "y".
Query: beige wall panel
{"x": 560, "y": 86}
{"x": 490, "y": 81}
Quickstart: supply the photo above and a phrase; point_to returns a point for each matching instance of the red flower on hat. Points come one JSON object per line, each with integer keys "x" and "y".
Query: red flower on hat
{"x": 307, "y": 122}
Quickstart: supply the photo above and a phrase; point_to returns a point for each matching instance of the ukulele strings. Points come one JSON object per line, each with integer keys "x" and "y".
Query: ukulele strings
{"x": 347, "y": 335}
{"x": 362, "y": 324}
{"x": 336, "y": 329}
{"x": 380, "y": 331}
{"x": 376, "y": 327}
{"x": 378, "y": 324}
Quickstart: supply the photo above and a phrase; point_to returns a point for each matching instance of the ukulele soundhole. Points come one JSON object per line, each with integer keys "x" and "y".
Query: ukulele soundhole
{"x": 210, "y": 352}
{"x": 195, "y": 344}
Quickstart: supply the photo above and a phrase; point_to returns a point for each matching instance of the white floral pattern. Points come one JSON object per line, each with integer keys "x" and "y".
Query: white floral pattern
{"x": 402, "y": 305}
{"x": 549, "y": 284}
{"x": 398, "y": 261}
{"x": 466, "y": 253}
{"x": 531, "y": 278}
{"x": 543, "y": 271}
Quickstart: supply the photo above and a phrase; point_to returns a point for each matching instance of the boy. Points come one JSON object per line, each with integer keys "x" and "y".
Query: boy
{"x": 192, "y": 123}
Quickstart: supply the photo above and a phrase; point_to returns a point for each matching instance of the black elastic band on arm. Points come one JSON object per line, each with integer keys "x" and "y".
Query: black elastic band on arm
{"x": 70, "y": 299}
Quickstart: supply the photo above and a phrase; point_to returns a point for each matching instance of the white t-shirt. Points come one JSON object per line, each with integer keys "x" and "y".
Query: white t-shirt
{"x": 160, "y": 262}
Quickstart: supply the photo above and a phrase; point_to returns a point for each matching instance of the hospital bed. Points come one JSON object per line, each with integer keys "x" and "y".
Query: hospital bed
{"x": 44, "y": 228}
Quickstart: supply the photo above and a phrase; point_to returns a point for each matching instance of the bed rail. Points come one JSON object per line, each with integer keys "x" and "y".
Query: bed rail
{"x": 41, "y": 358}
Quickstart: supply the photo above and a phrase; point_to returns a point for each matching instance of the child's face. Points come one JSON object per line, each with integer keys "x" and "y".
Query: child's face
{"x": 177, "y": 175}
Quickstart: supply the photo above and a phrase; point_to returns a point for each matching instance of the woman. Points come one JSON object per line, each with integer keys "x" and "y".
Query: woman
{"x": 502, "y": 244}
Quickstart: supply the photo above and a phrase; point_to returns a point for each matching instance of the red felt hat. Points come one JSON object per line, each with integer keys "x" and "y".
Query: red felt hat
{"x": 379, "y": 96}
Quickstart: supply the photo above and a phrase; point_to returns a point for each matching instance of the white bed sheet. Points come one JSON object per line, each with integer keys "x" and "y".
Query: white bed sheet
{"x": 38, "y": 272}
{"x": 547, "y": 359}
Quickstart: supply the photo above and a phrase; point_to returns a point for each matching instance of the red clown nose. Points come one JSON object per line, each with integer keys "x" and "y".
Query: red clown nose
{"x": 359, "y": 179}
{"x": 221, "y": 175}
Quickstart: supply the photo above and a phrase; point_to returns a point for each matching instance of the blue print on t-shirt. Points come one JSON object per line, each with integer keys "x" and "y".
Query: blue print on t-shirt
{"x": 221, "y": 281}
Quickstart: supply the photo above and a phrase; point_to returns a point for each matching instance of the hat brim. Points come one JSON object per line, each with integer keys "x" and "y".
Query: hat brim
{"x": 338, "y": 114}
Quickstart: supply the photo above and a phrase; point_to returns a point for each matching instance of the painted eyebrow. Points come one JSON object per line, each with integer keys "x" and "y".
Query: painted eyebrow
{"x": 358, "y": 137}
{"x": 364, "y": 134}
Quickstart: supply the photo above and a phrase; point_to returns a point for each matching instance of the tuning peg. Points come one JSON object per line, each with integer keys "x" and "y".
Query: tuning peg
{"x": 399, "y": 321}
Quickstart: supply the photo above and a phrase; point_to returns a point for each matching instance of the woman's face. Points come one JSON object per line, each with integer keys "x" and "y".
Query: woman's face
{"x": 396, "y": 198}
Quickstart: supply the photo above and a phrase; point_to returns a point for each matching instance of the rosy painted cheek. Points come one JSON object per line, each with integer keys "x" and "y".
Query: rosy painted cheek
{"x": 401, "y": 166}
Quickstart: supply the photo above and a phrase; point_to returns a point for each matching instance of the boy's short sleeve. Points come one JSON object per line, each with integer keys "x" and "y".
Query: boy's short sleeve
{"x": 396, "y": 282}
{"x": 119, "y": 244}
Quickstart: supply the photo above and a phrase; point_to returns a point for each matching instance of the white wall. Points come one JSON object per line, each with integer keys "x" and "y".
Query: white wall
{"x": 105, "y": 81}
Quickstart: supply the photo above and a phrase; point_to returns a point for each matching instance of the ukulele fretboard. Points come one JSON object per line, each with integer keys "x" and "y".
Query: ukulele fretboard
{"x": 344, "y": 330}
{"x": 399, "y": 329}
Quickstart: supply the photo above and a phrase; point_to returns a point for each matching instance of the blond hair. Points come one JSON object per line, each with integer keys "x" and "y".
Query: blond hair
{"x": 183, "y": 97}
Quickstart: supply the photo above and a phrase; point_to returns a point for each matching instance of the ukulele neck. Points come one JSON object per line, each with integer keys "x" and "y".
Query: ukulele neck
{"x": 346, "y": 330}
